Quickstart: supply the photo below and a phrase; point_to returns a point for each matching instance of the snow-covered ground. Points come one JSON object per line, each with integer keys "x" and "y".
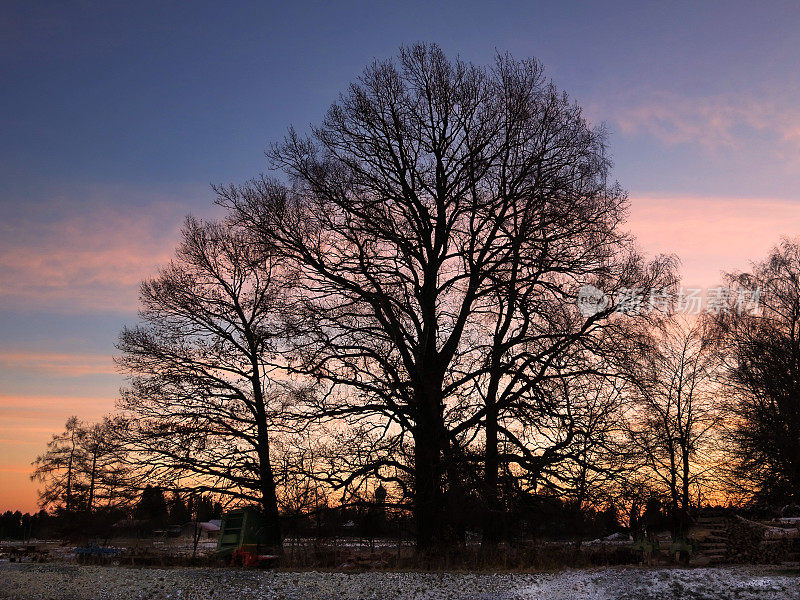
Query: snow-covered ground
{"x": 74, "y": 582}
{"x": 743, "y": 583}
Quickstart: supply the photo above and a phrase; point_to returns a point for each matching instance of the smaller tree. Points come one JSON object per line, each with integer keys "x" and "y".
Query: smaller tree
{"x": 103, "y": 465}
{"x": 57, "y": 468}
{"x": 83, "y": 468}
{"x": 596, "y": 459}
{"x": 760, "y": 333}
{"x": 675, "y": 415}
{"x": 202, "y": 401}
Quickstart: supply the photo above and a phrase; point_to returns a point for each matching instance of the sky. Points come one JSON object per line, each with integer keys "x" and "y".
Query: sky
{"x": 116, "y": 116}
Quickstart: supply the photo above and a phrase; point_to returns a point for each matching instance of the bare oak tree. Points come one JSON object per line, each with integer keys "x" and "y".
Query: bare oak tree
{"x": 440, "y": 222}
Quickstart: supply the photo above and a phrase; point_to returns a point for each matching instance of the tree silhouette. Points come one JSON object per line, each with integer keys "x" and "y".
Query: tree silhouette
{"x": 440, "y": 223}
{"x": 759, "y": 327}
{"x": 201, "y": 401}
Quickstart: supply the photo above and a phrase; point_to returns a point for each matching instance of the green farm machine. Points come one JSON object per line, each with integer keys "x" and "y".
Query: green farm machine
{"x": 242, "y": 539}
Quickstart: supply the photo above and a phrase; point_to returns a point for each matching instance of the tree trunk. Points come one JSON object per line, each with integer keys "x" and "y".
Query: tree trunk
{"x": 685, "y": 497}
{"x": 91, "y": 483}
{"x": 426, "y": 487}
{"x": 69, "y": 477}
{"x": 269, "y": 499}
{"x": 270, "y": 502}
{"x": 491, "y": 520}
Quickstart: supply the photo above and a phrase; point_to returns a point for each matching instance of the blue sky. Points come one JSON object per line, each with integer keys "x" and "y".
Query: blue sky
{"x": 159, "y": 94}
{"x": 116, "y": 116}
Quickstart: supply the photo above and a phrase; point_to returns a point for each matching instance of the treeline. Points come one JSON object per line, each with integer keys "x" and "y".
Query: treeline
{"x": 14, "y": 525}
{"x": 149, "y": 511}
{"x": 433, "y": 294}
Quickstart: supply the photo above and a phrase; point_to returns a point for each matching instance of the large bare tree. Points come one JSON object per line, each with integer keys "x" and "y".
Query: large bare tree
{"x": 440, "y": 221}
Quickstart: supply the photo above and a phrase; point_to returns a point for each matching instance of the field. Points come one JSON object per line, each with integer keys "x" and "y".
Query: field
{"x": 22, "y": 581}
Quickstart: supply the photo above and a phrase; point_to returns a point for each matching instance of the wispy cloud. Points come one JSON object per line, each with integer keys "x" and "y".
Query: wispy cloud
{"x": 76, "y": 250}
{"x": 719, "y": 124}
{"x": 40, "y": 411}
{"x": 55, "y": 363}
{"x": 85, "y": 250}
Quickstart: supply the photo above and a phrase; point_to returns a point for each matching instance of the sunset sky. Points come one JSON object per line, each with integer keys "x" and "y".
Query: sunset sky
{"x": 116, "y": 116}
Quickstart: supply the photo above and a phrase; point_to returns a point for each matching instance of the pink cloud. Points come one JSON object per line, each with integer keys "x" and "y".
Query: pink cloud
{"x": 793, "y": 135}
{"x": 711, "y": 235}
{"x": 40, "y": 412}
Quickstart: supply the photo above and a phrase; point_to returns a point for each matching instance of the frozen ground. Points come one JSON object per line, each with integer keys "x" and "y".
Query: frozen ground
{"x": 74, "y": 582}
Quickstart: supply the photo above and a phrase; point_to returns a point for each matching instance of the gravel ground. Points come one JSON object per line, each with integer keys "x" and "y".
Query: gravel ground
{"x": 74, "y": 582}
